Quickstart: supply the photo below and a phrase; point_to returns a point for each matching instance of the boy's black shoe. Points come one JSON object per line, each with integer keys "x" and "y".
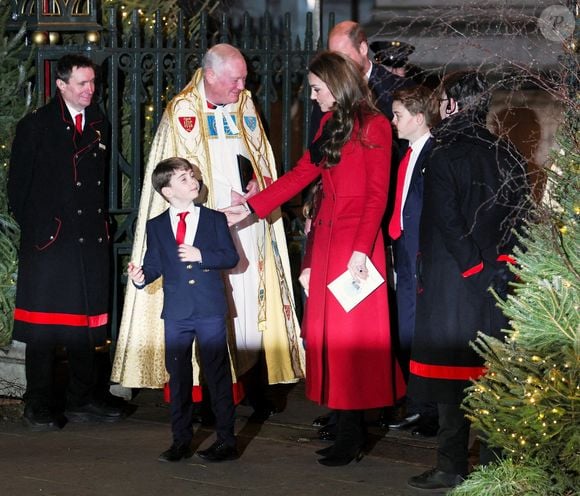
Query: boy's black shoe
{"x": 175, "y": 453}
{"x": 219, "y": 452}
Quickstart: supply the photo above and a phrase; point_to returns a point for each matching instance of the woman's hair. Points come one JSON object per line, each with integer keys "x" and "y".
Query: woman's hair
{"x": 353, "y": 100}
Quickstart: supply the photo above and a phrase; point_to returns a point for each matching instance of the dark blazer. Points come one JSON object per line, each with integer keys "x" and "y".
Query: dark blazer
{"x": 191, "y": 289}
{"x": 57, "y": 191}
{"x": 406, "y": 247}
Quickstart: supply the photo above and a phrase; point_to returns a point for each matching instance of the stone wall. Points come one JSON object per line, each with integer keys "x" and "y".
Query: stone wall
{"x": 484, "y": 33}
{"x": 12, "y": 374}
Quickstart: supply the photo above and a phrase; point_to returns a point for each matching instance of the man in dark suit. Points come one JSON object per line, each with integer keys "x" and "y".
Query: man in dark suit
{"x": 189, "y": 246}
{"x": 57, "y": 193}
{"x": 475, "y": 194}
{"x": 415, "y": 113}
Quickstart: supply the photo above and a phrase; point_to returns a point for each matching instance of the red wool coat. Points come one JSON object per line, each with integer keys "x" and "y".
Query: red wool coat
{"x": 349, "y": 363}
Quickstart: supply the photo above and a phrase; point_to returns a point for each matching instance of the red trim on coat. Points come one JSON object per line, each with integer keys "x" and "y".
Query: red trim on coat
{"x": 451, "y": 372}
{"x": 54, "y": 318}
{"x": 507, "y": 259}
{"x": 53, "y": 239}
{"x": 474, "y": 270}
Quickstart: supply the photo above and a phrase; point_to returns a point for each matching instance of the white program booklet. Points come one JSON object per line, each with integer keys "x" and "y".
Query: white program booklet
{"x": 349, "y": 292}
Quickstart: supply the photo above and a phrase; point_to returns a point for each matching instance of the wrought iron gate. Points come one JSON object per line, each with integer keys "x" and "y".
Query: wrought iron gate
{"x": 144, "y": 65}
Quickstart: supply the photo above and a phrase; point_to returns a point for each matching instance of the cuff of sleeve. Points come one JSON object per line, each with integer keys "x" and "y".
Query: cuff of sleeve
{"x": 139, "y": 286}
{"x": 506, "y": 259}
{"x": 474, "y": 270}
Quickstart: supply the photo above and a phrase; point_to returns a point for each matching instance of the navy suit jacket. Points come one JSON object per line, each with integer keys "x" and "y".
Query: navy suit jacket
{"x": 406, "y": 247}
{"x": 191, "y": 289}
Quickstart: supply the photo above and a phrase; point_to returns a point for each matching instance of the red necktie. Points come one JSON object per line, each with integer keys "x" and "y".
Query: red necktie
{"x": 79, "y": 123}
{"x": 180, "y": 235}
{"x": 395, "y": 223}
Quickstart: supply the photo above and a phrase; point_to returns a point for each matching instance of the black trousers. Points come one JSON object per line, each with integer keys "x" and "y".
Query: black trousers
{"x": 40, "y": 366}
{"x": 453, "y": 439}
{"x": 210, "y": 333}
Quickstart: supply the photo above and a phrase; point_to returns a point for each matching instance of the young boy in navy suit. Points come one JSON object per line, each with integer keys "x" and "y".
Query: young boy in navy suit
{"x": 189, "y": 245}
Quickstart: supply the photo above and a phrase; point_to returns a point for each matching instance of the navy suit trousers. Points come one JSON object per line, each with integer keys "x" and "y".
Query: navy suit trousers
{"x": 210, "y": 333}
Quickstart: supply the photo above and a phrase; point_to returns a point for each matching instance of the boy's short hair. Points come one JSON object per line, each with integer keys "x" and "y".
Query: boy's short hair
{"x": 419, "y": 100}
{"x": 165, "y": 170}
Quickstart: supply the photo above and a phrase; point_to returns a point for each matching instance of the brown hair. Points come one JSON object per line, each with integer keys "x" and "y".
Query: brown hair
{"x": 165, "y": 170}
{"x": 353, "y": 100}
{"x": 419, "y": 100}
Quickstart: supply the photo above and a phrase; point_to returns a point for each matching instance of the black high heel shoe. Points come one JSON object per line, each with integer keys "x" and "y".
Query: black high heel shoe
{"x": 341, "y": 459}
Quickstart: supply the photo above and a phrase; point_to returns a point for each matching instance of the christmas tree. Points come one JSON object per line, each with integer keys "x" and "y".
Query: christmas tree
{"x": 14, "y": 103}
{"x": 528, "y": 403}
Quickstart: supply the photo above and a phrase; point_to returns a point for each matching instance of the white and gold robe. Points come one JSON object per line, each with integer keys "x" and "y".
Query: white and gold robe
{"x": 259, "y": 288}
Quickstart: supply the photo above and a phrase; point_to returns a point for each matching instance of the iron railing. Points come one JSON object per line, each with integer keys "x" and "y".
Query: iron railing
{"x": 143, "y": 65}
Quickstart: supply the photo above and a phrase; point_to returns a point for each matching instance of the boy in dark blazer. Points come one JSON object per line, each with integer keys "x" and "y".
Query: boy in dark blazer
{"x": 189, "y": 245}
{"x": 415, "y": 113}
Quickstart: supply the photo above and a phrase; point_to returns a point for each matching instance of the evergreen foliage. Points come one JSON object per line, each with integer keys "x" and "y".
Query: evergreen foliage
{"x": 14, "y": 103}
{"x": 528, "y": 402}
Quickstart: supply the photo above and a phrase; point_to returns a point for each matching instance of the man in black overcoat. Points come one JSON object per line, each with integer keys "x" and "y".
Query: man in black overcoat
{"x": 57, "y": 192}
{"x": 475, "y": 191}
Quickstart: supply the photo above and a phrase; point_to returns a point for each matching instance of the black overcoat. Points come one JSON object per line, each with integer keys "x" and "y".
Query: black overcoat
{"x": 57, "y": 193}
{"x": 475, "y": 190}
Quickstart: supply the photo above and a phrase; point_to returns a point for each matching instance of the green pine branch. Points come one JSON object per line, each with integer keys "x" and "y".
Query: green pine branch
{"x": 15, "y": 98}
{"x": 528, "y": 402}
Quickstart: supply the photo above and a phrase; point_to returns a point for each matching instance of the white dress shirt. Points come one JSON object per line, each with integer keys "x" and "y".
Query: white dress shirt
{"x": 191, "y": 222}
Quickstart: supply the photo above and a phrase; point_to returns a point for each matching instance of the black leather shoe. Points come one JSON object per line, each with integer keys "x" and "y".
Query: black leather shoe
{"x": 435, "y": 479}
{"x": 408, "y": 421}
{"x": 93, "y": 412}
{"x": 39, "y": 419}
{"x": 327, "y": 433}
{"x": 391, "y": 415}
{"x": 321, "y": 421}
{"x": 424, "y": 431}
{"x": 341, "y": 459}
{"x": 175, "y": 453}
{"x": 219, "y": 452}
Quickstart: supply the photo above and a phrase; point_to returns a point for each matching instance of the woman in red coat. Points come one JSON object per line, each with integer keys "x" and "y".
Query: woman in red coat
{"x": 348, "y": 354}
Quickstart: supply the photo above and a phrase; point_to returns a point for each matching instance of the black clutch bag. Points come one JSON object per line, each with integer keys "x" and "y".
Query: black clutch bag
{"x": 246, "y": 171}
